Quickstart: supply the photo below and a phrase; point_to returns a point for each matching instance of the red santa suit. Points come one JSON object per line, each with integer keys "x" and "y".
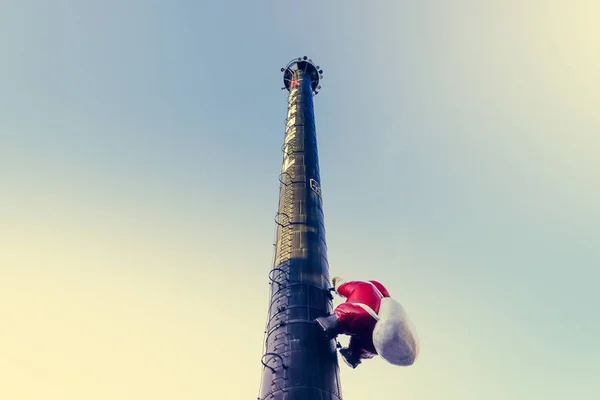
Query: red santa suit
{"x": 358, "y": 315}
{"x": 376, "y": 324}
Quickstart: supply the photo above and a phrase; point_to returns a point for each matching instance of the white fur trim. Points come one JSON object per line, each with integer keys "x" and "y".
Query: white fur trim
{"x": 368, "y": 309}
{"x": 337, "y": 282}
{"x": 395, "y": 337}
{"x": 376, "y": 288}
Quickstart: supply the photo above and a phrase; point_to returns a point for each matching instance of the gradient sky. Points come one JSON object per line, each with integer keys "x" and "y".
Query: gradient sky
{"x": 140, "y": 147}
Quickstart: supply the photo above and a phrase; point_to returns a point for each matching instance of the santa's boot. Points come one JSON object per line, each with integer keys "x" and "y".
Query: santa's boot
{"x": 330, "y": 325}
{"x": 352, "y": 359}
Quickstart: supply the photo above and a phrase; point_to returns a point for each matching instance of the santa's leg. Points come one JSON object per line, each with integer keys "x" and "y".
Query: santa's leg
{"x": 357, "y": 349}
{"x": 350, "y": 358}
{"x": 354, "y": 320}
{"x": 330, "y": 325}
{"x": 348, "y": 319}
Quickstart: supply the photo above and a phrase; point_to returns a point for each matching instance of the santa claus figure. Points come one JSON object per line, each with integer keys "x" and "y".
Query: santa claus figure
{"x": 376, "y": 324}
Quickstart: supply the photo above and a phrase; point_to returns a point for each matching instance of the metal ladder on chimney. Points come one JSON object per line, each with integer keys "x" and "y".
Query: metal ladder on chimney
{"x": 278, "y": 275}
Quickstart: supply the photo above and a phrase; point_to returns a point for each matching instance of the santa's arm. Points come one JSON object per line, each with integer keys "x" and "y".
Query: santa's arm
{"x": 344, "y": 288}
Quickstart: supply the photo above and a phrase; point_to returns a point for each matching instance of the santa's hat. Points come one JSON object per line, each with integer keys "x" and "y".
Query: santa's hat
{"x": 395, "y": 337}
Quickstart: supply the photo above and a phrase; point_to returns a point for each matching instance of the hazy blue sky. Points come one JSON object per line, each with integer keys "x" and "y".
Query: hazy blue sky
{"x": 140, "y": 148}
